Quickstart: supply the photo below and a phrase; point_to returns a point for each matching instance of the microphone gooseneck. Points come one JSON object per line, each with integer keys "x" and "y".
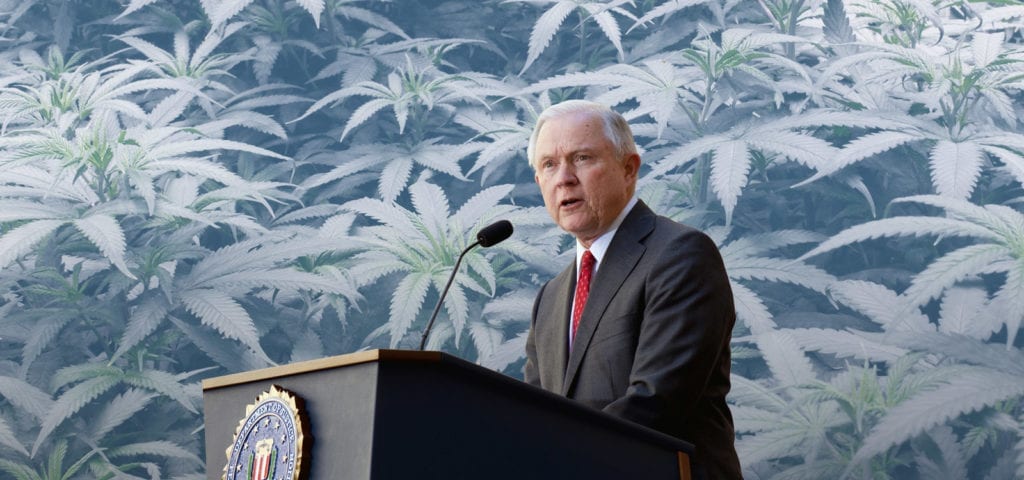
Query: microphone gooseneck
{"x": 490, "y": 235}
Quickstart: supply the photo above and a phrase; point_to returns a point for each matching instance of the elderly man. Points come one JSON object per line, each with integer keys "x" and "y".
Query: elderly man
{"x": 639, "y": 326}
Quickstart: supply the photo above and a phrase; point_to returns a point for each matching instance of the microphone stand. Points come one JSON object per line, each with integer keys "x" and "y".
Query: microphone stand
{"x": 440, "y": 300}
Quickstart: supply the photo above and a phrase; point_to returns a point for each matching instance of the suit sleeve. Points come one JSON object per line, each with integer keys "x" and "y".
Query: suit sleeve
{"x": 687, "y": 323}
{"x": 531, "y": 374}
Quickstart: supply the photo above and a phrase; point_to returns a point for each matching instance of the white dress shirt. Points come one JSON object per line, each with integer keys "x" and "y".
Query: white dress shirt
{"x": 598, "y": 248}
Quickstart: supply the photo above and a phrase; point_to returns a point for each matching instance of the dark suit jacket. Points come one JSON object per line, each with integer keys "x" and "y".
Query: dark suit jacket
{"x": 653, "y": 341}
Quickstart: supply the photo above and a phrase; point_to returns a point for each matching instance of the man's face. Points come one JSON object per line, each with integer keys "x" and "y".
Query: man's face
{"x": 584, "y": 184}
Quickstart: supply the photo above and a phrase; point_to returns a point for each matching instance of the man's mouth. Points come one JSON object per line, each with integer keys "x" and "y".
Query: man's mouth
{"x": 570, "y": 202}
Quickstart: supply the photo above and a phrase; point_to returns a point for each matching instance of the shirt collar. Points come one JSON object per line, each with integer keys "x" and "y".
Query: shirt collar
{"x": 600, "y": 245}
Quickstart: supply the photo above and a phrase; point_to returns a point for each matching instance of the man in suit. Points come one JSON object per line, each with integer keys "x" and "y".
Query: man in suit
{"x": 644, "y": 332}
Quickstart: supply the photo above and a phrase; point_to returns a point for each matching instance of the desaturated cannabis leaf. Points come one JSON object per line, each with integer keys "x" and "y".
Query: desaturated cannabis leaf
{"x": 737, "y": 52}
{"x": 956, "y": 162}
{"x": 422, "y": 246}
{"x": 103, "y": 165}
{"x": 199, "y": 63}
{"x": 395, "y": 162}
{"x": 25, "y": 396}
{"x": 210, "y": 289}
{"x": 745, "y": 261}
{"x": 135, "y": 5}
{"x": 998, "y": 231}
{"x": 83, "y": 91}
{"x": 965, "y": 87}
{"x": 359, "y": 62}
{"x": 72, "y": 400}
{"x": 731, "y": 152}
{"x": 854, "y": 401}
{"x": 967, "y": 311}
{"x": 666, "y": 9}
{"x": 507, "y": 135}
{"x": 39, "y": 220}
{"x": 52, "y": 468}
{"x": 600, "y": 11}
{"x": 406, "y": 89}
{"x": 222, "y": 11}
{"x": 773, "y": 425}
{"x": 314, "y": 7}
{"x": 497, "y": 352}
{"x": 837, "y": 26}
{"x": 346, "y": 9}
{"x": 119, "y": 410}
{"x": 901, "y": 23}
{"x": 971, "y": 390}
{"x": 880, "y": 305}
{"x": 125, "y": 155}
{"x": 659, "y": 87}
{"x": 240, "y": 110}
{"x": 786, "y": 16}
{"x": 845, "y": 344}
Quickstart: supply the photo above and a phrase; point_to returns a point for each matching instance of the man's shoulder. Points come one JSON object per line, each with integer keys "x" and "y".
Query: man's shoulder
{"x": 644, "y": 214}
{"x": 669, "y": 224}
{"x": 667, "y": 227}
{"x": 670, "y": 241}
{"x": 658, "y": 232}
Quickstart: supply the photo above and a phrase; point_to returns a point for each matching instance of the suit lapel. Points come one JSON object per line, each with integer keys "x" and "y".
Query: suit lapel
{"x": 622, "y": 256}
{"x": 553, "y": 343}
{"x": 558, "y": 343}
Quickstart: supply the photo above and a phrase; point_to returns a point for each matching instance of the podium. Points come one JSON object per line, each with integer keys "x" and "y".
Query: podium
{"x": 393, "y": 414}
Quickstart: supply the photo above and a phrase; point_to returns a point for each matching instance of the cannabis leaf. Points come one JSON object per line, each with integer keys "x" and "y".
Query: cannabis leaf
{"x": 395, "y": 162}
{"x": 421, "y": 246}
{"x": 314, "y": 7}
{"x": 506, "y": 132}
{"x": 745, "y": 261}
{"x": 346, "y": 10}
{"x": 659, "y": 87}
{"x": 221, "y": 11}
{"x": 405, "y": 89}
{"x": 996, "y": 229}
{"x": 970, "y": 390}
{"x": 666, "y": 9}
{"x": 731, "y": 152}
{"x": 549, "y": 22}
{"x": 955, "y": 161}
{"x": 210, "y": 288}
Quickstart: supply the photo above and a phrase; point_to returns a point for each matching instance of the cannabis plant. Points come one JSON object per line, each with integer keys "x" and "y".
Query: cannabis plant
{"x": 194, "y": 188}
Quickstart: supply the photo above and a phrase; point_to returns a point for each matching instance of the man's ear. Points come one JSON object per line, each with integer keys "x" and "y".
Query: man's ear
{"x": 632, "y": 165}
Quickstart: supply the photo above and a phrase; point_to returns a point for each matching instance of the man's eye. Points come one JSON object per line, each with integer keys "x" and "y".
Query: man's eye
{"x": 582, "y": 158}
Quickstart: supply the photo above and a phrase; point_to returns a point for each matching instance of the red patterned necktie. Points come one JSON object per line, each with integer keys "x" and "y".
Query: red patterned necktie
{"x": 582, "y": 289}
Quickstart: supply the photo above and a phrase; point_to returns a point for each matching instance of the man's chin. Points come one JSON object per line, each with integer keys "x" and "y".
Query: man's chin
{"x": 584, "y": 235}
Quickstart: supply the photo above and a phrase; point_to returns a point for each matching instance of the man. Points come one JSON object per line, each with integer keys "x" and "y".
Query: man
{"x": 649, "y": 340}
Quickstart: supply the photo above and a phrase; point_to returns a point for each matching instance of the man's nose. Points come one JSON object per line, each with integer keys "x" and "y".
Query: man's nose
{"x": 565, "y": 174}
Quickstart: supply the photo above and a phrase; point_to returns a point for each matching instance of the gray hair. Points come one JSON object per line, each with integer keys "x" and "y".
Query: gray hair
{"x": 616, "y": 128}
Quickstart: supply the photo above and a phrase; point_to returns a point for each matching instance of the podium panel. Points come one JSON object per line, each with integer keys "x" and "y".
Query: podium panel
{"x": 391, "y": 414}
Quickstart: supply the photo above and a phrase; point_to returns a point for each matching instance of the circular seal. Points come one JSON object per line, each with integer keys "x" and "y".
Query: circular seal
{"x": 268, "y": 443}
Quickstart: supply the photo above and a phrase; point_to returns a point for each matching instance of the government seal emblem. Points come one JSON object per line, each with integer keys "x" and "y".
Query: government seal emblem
{"x": 270, "y": 443}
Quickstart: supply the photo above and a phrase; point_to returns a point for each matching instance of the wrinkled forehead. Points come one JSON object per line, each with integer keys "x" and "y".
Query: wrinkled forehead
{"x": 573, "y": 131}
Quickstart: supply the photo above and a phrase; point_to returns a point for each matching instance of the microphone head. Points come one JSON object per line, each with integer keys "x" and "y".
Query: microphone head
{"x": 494, "y": 233}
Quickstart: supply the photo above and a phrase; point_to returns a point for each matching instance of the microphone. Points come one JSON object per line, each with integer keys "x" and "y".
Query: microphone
{"x": 488, "y": 236}
{"x": 494, "y": 233}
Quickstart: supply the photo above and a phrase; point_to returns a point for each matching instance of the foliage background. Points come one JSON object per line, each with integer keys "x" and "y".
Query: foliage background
{"x": 193, "y": 188}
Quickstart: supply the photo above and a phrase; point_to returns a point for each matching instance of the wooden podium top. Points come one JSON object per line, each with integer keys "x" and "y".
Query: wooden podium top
{"x": 355, "y": 358}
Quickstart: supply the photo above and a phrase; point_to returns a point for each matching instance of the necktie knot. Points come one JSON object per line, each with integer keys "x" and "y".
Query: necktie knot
{"x": 582, "y": 289}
